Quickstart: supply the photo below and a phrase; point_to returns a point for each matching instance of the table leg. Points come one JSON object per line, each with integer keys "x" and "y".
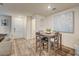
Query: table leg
{"x": 49, "y": 45}
{"x": 61, "y": 41}
{"x": 40, "y": 49}
{"x": 54, "y": 45}
{"x": 36, "y": 45}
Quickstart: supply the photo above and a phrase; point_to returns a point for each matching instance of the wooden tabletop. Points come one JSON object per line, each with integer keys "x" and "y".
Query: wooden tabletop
{"x": 48, "y": 34}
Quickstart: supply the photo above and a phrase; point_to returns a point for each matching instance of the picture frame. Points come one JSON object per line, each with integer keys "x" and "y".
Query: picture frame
{"x": 4, "y": 21}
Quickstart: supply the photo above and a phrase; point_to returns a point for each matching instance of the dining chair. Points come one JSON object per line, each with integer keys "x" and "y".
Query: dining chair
{"x": 38, "y": 40}
{"x": 41, "y": 42}
{"x": 44, "y": 42}
{"x": 56, "y": 43}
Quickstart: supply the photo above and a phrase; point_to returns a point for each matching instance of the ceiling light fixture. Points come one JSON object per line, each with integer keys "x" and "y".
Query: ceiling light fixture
{"x": 49, "y": 6}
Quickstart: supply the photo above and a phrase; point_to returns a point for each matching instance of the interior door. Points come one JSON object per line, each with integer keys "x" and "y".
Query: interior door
{"x": 19, "y": 27}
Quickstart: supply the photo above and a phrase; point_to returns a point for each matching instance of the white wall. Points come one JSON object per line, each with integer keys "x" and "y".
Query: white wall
{"x": 24, "y": 25}
{"x": 33, "y": 27}
{"x": 39, "y": 22}
{"x": 29, "y": 27}
{"x": 69, "y": 39}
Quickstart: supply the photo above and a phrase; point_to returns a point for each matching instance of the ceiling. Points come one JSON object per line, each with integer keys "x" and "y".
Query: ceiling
{"x": 37, "y": 8}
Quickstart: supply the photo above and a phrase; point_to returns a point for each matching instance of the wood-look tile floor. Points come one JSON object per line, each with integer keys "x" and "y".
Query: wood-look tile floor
{"x": 22, "y": 47}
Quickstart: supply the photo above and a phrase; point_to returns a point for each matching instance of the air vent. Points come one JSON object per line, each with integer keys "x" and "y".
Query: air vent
{"x": 53, "y": 9}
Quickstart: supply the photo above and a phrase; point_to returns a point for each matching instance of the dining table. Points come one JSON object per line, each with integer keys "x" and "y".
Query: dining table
{"x": 49, "y": 36}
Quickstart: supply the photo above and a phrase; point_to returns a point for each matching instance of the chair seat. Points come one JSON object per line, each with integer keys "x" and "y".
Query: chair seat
{"x": 52, "y": 40}
{"x": 44, "y": 41}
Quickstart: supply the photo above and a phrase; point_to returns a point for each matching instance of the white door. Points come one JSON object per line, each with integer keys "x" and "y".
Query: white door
{"x": 19, "y": 27}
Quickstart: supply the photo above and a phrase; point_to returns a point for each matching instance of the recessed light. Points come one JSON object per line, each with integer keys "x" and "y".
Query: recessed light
{"x": 49, "y": 7}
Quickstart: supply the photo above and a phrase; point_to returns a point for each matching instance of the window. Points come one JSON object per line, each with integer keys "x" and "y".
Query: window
{"x": 64, "y": 22}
